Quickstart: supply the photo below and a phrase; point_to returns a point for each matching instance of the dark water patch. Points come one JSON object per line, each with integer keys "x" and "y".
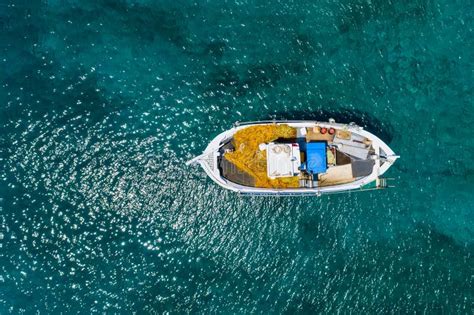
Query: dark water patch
{"x": 357, "y": 14}
{"x": 251, "y": 78}
{"x": 305, "y": 44}
{"x": 20, "y": 18}
{"x": 51, "y": 91}
{"x": 405, "y": 266}
{"x": 147, "y": 23}
{"x": 315, "y": 236}
{"x": 261, "y": 76}
{"x": 104, "y": 24}
{"x": 216, "y": 49}
{"x": 225, "y": 79}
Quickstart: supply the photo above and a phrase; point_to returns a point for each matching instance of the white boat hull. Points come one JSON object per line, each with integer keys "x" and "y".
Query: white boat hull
{"x": 209, "y": 161}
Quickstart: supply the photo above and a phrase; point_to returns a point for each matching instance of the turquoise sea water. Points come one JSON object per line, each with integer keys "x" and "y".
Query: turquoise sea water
{"x": 102, "y": 102}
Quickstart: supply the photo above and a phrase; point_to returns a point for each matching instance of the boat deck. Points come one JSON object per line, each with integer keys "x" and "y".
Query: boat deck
{"x": 347, "y": 158}
{"x": 239, "y": 158}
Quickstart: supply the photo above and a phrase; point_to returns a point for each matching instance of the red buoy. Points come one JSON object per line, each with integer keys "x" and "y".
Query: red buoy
{"x": 324, "y": 130}
{"x": 332, "y": 131}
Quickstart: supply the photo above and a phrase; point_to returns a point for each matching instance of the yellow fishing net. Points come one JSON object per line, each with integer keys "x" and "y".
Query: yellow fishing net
{"x": 248, "y": 157}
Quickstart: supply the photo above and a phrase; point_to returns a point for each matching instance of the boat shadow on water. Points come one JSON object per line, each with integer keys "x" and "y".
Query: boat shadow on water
{"x": 382, "y": 129}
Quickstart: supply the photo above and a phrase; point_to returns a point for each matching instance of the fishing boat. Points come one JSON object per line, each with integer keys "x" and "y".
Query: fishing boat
{"x": 280, "y": 158}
